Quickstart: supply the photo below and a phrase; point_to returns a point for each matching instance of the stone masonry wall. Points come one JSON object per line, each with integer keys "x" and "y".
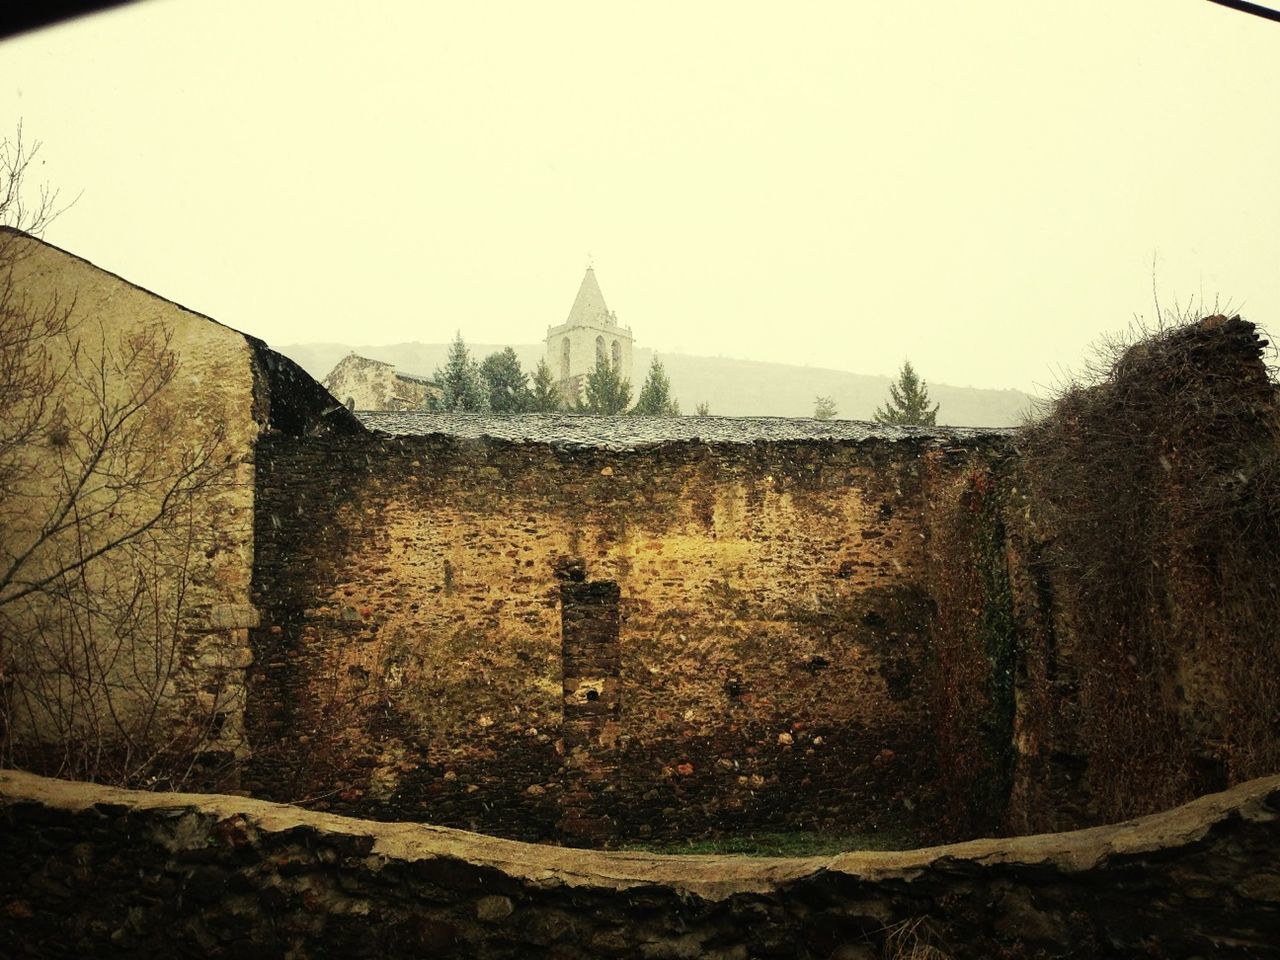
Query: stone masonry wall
{"x": 131, "y": 667}
{"x": 88, "y": 871}
{"x": 1143, "y": 521}
{"x": 772, "y": 622}
{"x": 1107, "y": 598}
{"x": 162, "y": 620}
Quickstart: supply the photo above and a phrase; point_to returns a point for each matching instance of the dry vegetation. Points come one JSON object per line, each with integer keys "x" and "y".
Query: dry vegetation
{"x": 974, "y": 655}
{"x": 98, "y": 529}
{"x": 1111, "y": 601}
{"x": 1157, "y": 489}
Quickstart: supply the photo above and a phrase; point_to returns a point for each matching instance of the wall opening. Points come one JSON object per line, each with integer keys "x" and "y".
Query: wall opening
{"x": 564, "y": 359}
{"x": 591, "y": 664}
{"x": 616, "y": 352}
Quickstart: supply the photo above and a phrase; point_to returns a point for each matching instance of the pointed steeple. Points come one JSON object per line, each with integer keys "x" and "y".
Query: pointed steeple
{"x": 588, "y": 307}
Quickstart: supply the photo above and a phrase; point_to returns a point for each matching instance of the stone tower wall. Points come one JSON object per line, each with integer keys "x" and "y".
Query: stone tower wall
{"x": 582, "y": 349}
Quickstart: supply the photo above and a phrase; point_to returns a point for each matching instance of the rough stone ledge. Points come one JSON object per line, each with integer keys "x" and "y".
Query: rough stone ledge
{"x": 578, "y": 431}
{"x": 1201, "y": 880}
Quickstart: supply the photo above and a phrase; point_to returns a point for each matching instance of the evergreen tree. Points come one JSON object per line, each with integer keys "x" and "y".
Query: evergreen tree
{"x": 508, "y": 385}
{"x": 461, "y": 385}
{"x": 655, "y": 398}
{"x": 704, "y": 409}
{"x": 545, "y": 396}
{"x": 908, "y": 403}
{"x": 607, "y": 394}
{"x": 824, "y": 408}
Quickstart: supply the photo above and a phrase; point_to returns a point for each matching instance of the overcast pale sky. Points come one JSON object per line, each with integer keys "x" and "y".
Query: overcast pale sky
{"x": 981, "y": 187}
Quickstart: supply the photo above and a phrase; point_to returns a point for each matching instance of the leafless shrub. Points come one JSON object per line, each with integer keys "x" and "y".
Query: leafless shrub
{"x": 97, "y": 494}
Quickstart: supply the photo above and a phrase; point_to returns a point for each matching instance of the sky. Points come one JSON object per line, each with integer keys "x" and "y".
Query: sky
{"x": 984, "y": 188}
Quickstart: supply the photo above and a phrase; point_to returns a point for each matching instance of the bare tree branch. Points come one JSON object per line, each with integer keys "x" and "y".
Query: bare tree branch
{"x": 102, "y": 475}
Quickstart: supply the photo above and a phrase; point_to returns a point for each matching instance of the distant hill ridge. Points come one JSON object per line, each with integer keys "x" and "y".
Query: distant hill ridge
{"x": 735, "y": 388}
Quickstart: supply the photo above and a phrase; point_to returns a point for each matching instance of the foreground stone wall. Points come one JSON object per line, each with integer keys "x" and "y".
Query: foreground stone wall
{"x": 772, "y": 634}
{"x": 92, "y": 871}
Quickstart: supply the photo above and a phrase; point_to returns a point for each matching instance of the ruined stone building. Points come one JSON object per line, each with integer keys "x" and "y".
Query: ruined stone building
{"x": 590, "y": 333}
{"x": 365, "y": 384}
{"x": 596, "y": 630}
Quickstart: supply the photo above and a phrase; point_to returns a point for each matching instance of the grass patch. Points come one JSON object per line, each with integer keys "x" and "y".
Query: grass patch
{"x": 768, "y": 844}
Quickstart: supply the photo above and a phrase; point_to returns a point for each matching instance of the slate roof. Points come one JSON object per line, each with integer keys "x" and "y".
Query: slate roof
{"x": 629, "y": 433}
